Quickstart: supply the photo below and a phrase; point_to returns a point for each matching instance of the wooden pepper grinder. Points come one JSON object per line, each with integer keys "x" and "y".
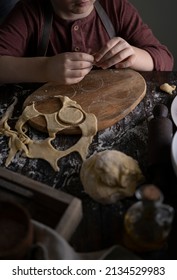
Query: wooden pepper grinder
{"x": 160, "y": 133}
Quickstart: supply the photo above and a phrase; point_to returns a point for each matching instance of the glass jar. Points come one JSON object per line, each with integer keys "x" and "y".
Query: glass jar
{"x": 147, "y": 223}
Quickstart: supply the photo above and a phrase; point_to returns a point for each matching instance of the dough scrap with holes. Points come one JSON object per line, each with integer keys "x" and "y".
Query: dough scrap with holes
{"x": 70, "y": 114}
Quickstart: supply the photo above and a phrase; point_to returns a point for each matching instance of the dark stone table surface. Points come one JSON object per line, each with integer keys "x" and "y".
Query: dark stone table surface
{"x": 101, "y": 226}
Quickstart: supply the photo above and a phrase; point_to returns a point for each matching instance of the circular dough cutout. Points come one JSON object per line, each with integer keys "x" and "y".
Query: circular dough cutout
{"x": 71, "y": 115}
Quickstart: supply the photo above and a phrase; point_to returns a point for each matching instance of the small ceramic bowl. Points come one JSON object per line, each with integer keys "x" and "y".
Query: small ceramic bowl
{"x": 174, "y": 153}
{"x": 16, "y": 231}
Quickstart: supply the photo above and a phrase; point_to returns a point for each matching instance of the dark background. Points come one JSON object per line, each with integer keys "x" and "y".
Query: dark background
{"x": 161, "y": 17}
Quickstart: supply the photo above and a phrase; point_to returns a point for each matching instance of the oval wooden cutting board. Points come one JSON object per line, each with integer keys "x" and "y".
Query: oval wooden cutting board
{"x": 109, "y": 94}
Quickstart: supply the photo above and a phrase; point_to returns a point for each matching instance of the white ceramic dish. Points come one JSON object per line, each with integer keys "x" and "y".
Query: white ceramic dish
{"x": 174, "y": 140}
{"x": 174, "y": 153}
{"x": 174, "y": 110}
{"x": 49, "y": 245}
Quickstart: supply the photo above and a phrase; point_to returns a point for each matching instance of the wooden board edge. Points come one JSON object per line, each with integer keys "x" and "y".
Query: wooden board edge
{"x": 34, "y": 186}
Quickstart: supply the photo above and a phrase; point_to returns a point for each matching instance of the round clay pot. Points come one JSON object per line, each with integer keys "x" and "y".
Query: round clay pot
{"x": 16, "y": 231}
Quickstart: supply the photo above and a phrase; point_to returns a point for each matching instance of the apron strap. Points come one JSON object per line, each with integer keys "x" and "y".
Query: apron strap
{"x": 105, "y": 20}
{"x": 48, "y": 19}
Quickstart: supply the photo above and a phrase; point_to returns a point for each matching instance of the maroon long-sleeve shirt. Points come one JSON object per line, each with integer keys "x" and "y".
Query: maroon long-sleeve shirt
{"x": 21, "y": 32}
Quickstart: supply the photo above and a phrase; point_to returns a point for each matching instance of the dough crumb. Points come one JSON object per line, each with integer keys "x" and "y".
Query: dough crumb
{"x": 168, "y": 88}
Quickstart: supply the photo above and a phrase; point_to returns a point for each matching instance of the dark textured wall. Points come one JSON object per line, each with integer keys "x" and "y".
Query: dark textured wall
{"x": 161, "y": 16}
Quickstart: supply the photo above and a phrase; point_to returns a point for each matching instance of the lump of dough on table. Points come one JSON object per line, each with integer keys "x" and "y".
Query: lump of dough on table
{"x": 110, "y": 175}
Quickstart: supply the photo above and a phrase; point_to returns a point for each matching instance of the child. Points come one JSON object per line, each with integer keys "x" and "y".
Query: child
{"x": 78, "y": 41}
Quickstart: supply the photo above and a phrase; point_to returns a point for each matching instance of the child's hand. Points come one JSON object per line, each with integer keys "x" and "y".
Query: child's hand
{"x": 68, "y": 68}
{"x": 117, "y": 52}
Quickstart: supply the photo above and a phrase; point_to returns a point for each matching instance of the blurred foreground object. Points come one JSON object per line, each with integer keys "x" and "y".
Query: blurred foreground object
{"x": 148, "y": 222}
{"x": 16, "y": 234}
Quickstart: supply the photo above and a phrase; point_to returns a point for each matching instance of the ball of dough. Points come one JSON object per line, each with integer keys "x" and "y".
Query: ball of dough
{"x": 110, "y": 175}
